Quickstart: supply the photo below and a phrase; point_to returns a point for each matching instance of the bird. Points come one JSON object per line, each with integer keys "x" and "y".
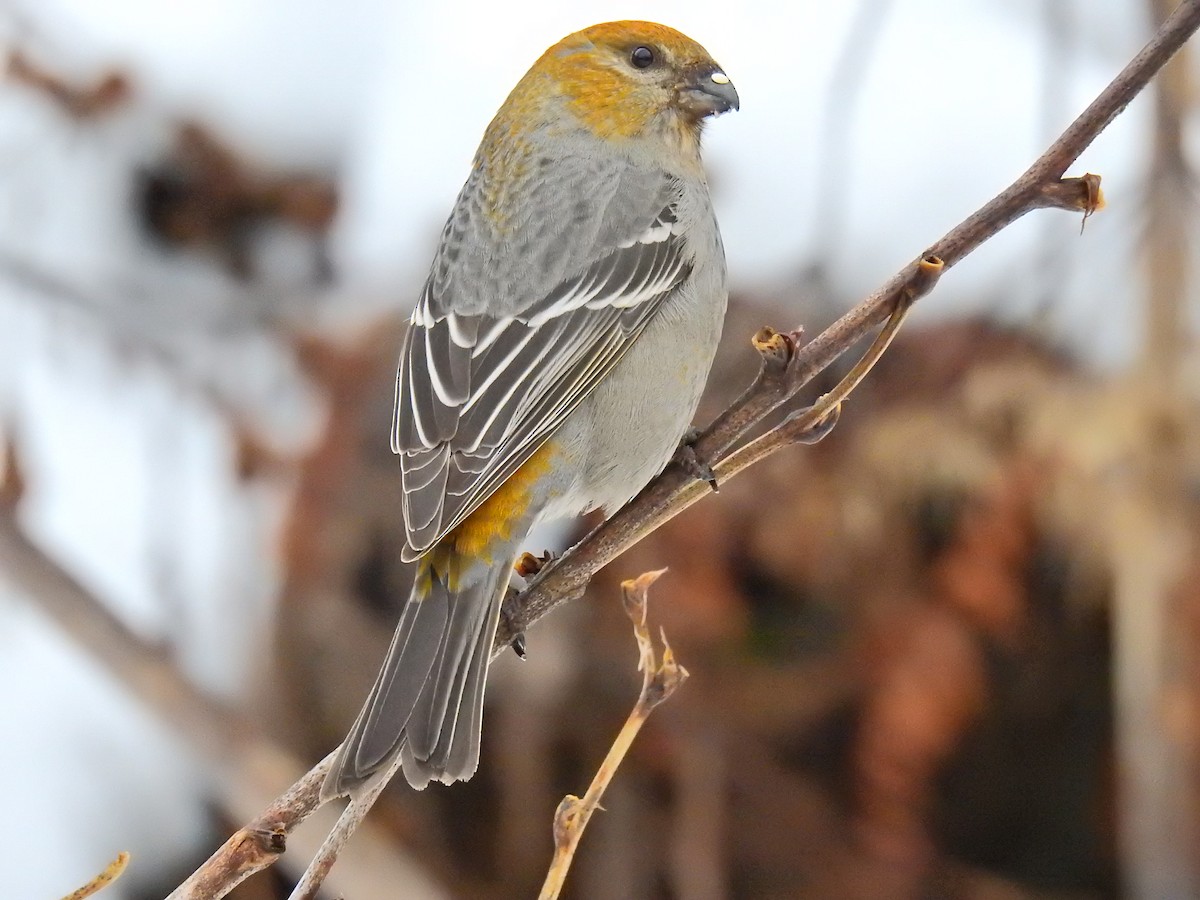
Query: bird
{"x": 553, "y": 362}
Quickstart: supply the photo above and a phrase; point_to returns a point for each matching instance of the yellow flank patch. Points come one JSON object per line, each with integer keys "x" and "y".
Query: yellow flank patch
{"x": 476, "y": 537}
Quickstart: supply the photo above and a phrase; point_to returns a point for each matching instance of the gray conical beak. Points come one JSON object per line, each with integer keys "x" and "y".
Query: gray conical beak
{"x": 708, "y": 92}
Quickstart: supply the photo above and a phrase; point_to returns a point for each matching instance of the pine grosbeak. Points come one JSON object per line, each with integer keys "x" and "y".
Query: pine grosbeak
{"x": 555, "y": 358}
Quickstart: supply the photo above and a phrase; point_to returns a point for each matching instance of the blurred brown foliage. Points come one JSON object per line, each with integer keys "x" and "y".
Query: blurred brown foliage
{"x": 203, "y": 196}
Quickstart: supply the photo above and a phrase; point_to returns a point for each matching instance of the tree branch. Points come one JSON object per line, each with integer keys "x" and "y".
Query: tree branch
{"x": 673, "y": 491}
{"x": 257, "y": 845}
{"x": 661, "y": 677}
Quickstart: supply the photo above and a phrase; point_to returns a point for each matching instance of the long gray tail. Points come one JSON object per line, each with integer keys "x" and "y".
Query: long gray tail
{"x": 427, "y": 702}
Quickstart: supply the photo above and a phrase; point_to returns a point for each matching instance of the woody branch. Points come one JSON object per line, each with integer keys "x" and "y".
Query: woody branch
{"x": 1041, "y": 185}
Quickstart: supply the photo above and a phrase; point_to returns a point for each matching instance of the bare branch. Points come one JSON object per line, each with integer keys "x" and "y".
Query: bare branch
{"x": 257, "y": 845}
{"x": 673, "y": 491}
{"x": 352, "y": 816}
{"x": 110, "y": 874}
{"x": 659, "y": 681}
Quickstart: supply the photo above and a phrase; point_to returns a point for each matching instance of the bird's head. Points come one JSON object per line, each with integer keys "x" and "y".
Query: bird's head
{"x": 621, "y": 80}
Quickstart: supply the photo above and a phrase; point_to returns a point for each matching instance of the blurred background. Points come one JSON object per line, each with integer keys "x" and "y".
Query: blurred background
{"x": 949, "y": 652}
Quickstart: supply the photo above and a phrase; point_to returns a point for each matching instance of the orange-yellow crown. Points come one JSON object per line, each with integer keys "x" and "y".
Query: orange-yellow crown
{"x": 591, "y": 70}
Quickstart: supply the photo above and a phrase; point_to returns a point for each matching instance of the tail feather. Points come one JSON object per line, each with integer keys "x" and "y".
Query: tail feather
{"x": 399, "y": 684}
{"x": 458, "y": 639}
{"x": 457, "y": 749}
{"x": 427, "y": 701}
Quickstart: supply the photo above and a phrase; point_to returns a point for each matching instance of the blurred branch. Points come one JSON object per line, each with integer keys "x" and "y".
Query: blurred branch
{"x": 788, "y": 367}
{"x": 109, "y": 92}
{"x": 1150, "y": 552}
{"x": 146, "y": 671}
{"x": 841, "y": 104}
{"x": 1170, "y": 188}
{"x": 660, "y": 679}
{"x": 148, "y": 332}
{"x": 203, "y": 195}
{"x": 130, "y": 331}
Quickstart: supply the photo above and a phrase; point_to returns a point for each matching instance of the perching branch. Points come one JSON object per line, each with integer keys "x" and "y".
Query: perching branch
{"x": 660, "y": 679}
{"x": 787, "y": 366}
{"x": 1041, "y": 185}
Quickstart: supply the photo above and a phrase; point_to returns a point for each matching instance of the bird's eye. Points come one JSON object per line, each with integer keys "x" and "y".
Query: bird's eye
{"x": 641, "y": 57}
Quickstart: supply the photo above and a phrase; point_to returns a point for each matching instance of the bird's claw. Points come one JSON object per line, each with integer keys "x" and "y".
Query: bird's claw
{"x": 528, "y": 565}
{"x": 518, "y": 644}
{"x": 509, "y": 614}
{"x": 685, "y": 456}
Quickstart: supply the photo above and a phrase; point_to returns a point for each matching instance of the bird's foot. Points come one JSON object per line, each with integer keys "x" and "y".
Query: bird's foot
{"x": 518, "y": 644}
{"x": 528, "y": 565}
{"x": 508, "y": 612}
{"x": 686, "y": 458}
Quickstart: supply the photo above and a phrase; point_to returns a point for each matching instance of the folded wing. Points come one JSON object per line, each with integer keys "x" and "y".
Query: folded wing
{"x": 476, "y": 395}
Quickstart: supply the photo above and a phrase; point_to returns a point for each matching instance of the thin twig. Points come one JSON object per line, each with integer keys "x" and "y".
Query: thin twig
{"x": 356, "y": 810}
{"x": 813, "y": 422}
{"x": 659, "y": 681}
{"x": 110, "y": 874}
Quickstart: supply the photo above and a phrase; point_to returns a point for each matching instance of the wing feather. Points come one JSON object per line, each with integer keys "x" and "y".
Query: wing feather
{"x": 478, "y": 394}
